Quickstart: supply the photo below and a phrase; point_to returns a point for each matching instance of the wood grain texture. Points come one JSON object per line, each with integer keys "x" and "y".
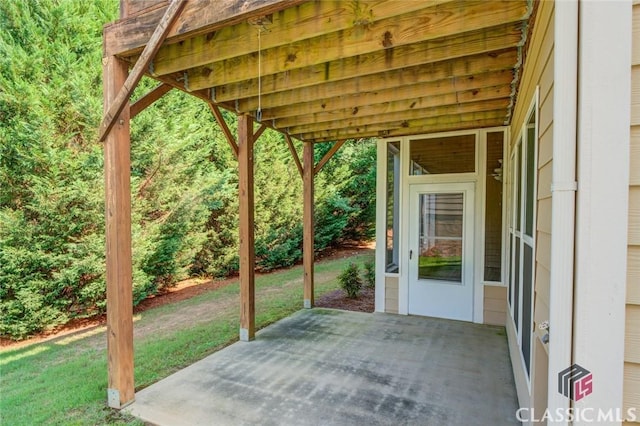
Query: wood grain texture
{"x": 117, "y": 166}
{"x": 247, "y": 225}
{"x": 294, "y": 154}
{"x": 308, "y": 223}
{"x": 461, "y": 69}
{"x": 379, "y": 106}
{"x": 448, "y": 20}
{"x": 288, "y": 30}
{"x": 158, "y": 36}
{"x": 148, "y": 99}
{"x": 231, "y": 140}
{"x": 128, "y": 36}
{"x": 336, "y": 146}
{"x": 457, "y": 46}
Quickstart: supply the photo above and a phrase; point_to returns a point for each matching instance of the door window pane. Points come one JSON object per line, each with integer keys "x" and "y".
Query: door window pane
{"x": 451, "y": 154}
{"x": 440, "y": 247}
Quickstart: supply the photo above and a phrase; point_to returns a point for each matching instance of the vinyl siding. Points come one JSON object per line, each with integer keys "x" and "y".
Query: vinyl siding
{"x": 631, "y": 396}
{"x": 391, "y": 295}
{"x": 495, "y": 305}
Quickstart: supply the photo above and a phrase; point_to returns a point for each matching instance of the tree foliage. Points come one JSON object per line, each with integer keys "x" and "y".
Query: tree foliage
{"x": 183, "y": 178}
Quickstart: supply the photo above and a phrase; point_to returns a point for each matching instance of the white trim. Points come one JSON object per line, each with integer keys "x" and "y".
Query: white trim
{"x": 381, "y": 238}
{"x": 518, "y": 175}
{"x": 565, "y": 99}
{"x": 602, "y": 201}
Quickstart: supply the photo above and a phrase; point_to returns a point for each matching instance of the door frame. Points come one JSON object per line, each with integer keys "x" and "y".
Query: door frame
{"x": 468, "y": 189}
{"x": 472, "y": 177}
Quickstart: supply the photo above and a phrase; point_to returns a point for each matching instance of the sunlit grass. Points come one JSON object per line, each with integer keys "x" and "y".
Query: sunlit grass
{"x": 64, "y": 381}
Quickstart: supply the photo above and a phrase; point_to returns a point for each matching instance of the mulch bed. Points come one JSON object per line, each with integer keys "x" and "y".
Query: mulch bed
{"x": 338, "y": 299}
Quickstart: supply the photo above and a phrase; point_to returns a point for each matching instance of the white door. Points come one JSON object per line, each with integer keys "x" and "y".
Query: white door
{"x": 441, "y": 250}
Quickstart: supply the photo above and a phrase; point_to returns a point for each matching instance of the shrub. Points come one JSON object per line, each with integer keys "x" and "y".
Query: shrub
{"x": 369, "y": 274}
{"x": 350, "y": 280}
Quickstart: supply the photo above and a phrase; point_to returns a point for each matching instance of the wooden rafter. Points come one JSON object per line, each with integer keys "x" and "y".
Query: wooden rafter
{"x": 336, "y": 146}
{"x": 225, "y": 128}
{"x": 294, "y": 154}
{"x": 292, "y": 29}
{"x": 373, "y": 106}
{"x": 159, "y": 34}
{"x": 457, "y": 46}
{"x": 336, "y": 69}
{"x": 129, "y": 36}
{"x": 417, "y": 113}
{"x": 466, "y": 73}
{"x": 148, "y": 99}
{"x": 417, "y": 27}
{"x": 400, "y": 128}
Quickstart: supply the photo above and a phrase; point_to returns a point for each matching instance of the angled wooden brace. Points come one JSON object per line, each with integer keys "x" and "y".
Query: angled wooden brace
{"x": 138, "y": 106}
{"x": 328, "y": 155}
{"x": 225, "y": 128}
{"x": 294, "y": 154}
{"x": 149, "y": 52}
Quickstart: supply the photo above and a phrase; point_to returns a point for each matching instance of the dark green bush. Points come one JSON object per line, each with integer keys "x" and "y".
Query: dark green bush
{"x": 350, "y": 280}
{"x": 369, "y": 274}
{"x": 184, "y": 185}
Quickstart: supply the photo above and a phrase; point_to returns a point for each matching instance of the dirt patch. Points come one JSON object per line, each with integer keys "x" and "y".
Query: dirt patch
{"x": 338, "y": 299}
{"x": 197, "y": 286}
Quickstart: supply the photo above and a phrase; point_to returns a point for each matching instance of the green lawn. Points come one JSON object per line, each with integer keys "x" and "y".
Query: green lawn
{"x": 64, "y": 381}
{"x": 440, "y": 268}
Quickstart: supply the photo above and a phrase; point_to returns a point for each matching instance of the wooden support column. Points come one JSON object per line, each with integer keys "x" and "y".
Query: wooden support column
{"x": 247, "y": 246}
{"x": 308, "y": 225}
{"x": 118, "y": 238}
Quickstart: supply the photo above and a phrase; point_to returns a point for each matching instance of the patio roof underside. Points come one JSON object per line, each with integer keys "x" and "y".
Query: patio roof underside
{"x": 330, "y": 70}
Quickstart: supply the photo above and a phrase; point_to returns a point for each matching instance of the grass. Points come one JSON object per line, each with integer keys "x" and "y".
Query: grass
{"x": 440, "y": 268}
{"x": 63, "y": 381}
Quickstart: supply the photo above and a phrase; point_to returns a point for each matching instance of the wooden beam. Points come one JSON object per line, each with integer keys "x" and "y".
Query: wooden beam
{"x": 148, "y": 99}
{"x": 308, "y": 225}
{"x": 401, "y": 128}
{"x": 127, "y": 37}
{"x": 140, "y": 67}
{"x": 408, "y": 115}
{"x": 336, "y": 146}
{"x": 372, "y": 105}
{"x": 225, "y": 128}
{"x": 247, "y": 92}
{"x": 383, "y": 37}
{"x": 247, "y": 225}
{"x": 288, "y": 27}
{"x": 459, "y": 46}
{"x": 402, "y": 96}
{"x": 117, "y": 165}
{"x": 259, "y": 132}
{"x": 294, "y": 154}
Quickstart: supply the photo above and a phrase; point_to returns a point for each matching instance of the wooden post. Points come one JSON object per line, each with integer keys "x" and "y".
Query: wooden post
{"x": 118, "y": 237}
{"x": 307, "y": 220}
{"x": 247, "y": 247}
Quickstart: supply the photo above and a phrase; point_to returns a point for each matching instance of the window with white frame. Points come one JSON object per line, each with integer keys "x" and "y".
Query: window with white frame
{"x": 522, "y": 234}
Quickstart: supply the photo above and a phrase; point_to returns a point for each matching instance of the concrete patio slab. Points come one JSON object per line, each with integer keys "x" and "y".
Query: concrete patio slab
{"x": 329, "y": 367}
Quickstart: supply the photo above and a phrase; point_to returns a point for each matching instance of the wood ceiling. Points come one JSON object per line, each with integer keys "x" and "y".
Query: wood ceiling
{"x": 336, "y": 69}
